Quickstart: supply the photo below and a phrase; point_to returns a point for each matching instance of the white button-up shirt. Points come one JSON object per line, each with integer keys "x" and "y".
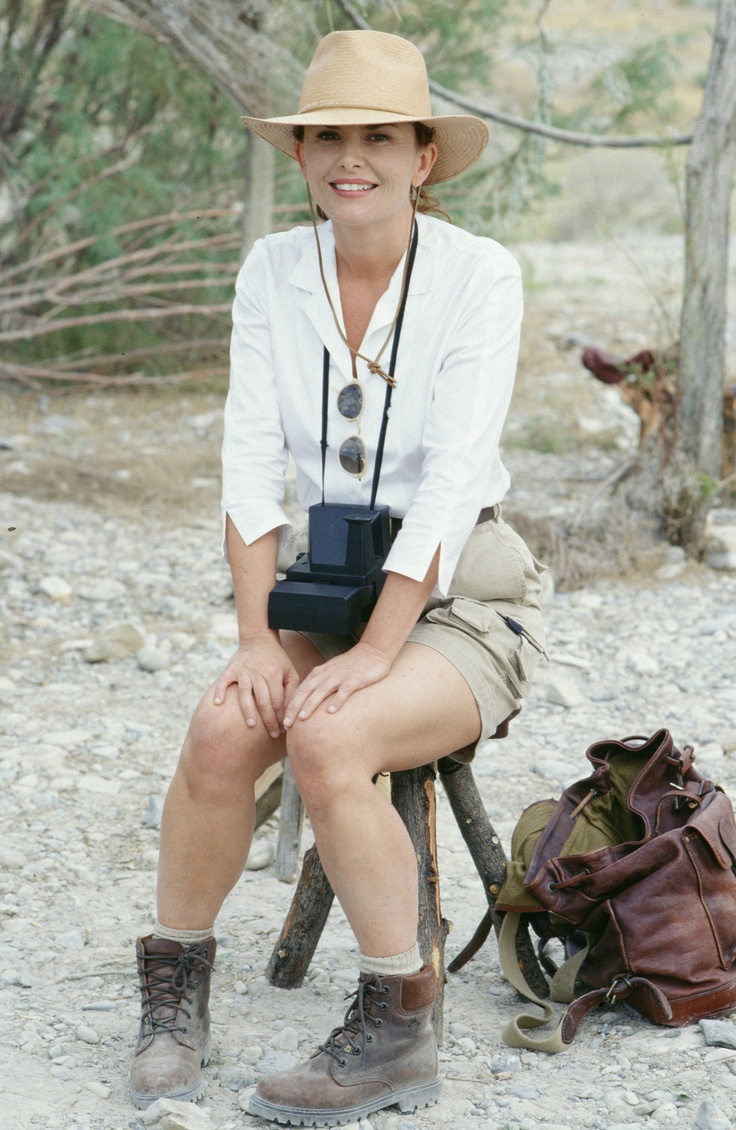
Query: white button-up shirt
{"x": 454, "y": 376}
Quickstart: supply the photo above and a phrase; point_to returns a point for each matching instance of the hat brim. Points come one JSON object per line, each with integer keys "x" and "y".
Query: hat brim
{"x": 460, "y": 138}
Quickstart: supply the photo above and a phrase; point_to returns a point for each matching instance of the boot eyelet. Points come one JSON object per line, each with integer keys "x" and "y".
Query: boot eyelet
{"x": 342, "y": 1062}
{"x": 378, "y": 1023}
{"x": 383, "y": 1006}
{"x": 356, "y": 1051}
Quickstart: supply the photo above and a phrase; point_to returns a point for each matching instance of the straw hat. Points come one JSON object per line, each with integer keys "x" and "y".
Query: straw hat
{"x": 370, "y": 78}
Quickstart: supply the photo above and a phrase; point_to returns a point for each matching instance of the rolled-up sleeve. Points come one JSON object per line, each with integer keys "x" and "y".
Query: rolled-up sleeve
{"x": 254, "y": 453}
{"x": 461, "y": 467}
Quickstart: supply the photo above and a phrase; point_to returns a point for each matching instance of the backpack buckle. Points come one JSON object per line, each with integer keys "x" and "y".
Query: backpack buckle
{"x": 616, "y": 990}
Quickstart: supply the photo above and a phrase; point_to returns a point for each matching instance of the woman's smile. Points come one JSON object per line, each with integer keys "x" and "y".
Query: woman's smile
{"x": 345, "y": 166}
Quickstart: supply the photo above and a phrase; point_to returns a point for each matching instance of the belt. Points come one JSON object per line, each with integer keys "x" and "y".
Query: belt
{"x": 487, "y": 514}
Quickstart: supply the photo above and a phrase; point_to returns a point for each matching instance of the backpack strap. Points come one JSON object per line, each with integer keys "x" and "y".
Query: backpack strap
{"x": 562, "y": 990}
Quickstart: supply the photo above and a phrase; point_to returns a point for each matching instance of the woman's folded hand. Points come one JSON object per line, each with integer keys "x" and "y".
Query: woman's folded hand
{"x": 265, "y": 678}
{"x": 335, "y": 681}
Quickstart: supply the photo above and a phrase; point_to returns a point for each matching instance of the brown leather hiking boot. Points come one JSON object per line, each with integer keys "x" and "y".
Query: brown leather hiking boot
{"x": 174, "y": 1039}
{"x": 384, "y": 1054}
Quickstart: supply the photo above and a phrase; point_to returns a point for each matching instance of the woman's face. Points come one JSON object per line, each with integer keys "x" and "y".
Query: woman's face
{"x": 363, "y": 174}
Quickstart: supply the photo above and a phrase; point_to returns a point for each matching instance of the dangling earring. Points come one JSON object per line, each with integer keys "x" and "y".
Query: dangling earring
{"x": 414, "y": 194}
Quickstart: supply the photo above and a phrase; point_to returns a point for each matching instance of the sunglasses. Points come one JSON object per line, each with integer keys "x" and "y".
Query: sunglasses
{"x": 352, "y": 453}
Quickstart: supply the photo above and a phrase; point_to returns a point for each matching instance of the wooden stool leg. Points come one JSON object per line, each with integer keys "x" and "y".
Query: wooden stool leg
{"x": 490, "y": 863}
{"x": 291, "y": 822}
{"x": 303, "y": 926}
{"x": 413, "y": 795}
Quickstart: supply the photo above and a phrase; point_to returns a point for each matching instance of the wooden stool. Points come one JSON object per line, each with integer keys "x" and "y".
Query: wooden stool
{"x": 413, "y": 795}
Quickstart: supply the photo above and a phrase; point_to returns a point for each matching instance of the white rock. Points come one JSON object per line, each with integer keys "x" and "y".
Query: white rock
{"x": 106, "y": 589}
{"x": 102, "y": 1090}
{"x": 719, "y": 1033}
{"x": 116, "y": 642}
{"x": 287, "y": 1040}
{"x": 640, "y": 662}
{"x": 168, "y": 1114}
{"x": 56, "y": 587}
{"x": 563, "y": 690}
{"x": 153, "y": 656}
{"x": 87, "y": 1035}
{"x": 710, "y": 1117}
{"x": 260, "y": 855}
{"x": 91, "y": 783}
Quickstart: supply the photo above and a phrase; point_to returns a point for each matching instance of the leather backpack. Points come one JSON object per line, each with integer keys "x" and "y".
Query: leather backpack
{"x": 634, "y": 869}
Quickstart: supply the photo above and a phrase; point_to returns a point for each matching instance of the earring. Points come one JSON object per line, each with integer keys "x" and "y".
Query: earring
{"x": 414, "y": 193}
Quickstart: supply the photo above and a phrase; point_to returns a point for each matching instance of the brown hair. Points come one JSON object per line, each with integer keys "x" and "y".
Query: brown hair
{"x": 424, "y": 135}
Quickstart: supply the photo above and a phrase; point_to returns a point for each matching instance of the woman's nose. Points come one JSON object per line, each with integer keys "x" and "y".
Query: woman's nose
{"x": 350, "y": 155}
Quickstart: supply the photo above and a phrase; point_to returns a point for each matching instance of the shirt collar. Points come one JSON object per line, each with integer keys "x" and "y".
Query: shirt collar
{"x": 306, "y": 277}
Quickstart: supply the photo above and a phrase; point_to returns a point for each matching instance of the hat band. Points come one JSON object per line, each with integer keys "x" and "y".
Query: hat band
{"x": 330, "y": 104}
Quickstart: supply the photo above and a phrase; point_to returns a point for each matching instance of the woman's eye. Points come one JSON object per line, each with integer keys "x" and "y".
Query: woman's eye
{"x": 326, "y": 135}
{"x": 379, "y": 137}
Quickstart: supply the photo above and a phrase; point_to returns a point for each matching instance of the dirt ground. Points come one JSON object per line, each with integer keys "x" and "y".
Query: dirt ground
{"x": 125, "y": 485}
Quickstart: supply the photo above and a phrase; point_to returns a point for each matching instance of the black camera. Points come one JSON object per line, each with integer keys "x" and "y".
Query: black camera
{"x": 335, "y": 585}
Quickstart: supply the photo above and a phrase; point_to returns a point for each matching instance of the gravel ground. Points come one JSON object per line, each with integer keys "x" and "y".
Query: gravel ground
{"x": 87, "y": 740}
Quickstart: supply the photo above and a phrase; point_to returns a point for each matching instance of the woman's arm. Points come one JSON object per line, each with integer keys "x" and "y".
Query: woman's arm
{"x": 261, "y": 669}
{"x": 370, "y": 660}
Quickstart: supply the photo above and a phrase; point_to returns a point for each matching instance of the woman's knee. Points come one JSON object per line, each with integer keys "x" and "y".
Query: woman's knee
{"x": 319, "y": 753}
{"x": 220, "y": 752}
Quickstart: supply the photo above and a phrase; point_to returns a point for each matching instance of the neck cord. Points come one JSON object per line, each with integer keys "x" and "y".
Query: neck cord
{"x": 390, "y": 382}
{"x": 373, "y": 366}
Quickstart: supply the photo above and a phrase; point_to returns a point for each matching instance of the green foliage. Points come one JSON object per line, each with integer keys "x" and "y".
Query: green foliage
{"x": 117, "y": 131}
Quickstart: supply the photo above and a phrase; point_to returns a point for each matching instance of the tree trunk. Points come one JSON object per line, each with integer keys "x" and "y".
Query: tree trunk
{"x": 710, "y": 171}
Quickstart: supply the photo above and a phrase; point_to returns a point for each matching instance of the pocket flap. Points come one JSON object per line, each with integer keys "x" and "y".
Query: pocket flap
{"x": 473, "y": 613}
{"x": 720, "y": 837}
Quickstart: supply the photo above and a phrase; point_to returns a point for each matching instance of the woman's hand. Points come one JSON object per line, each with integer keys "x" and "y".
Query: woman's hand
{"x": 266, "y": 680}
{"x": 336, "y": 680}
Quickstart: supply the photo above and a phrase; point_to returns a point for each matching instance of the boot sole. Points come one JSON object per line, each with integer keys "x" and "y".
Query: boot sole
{"x": 407, "y": 1101}
{"x": 190, "y": 1095}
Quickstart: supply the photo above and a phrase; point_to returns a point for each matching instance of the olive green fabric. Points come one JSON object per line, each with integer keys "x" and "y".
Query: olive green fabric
{"x": 602, "y": 822}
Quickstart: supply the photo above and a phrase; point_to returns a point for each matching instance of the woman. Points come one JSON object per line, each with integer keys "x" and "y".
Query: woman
{"x": 450, "y": 646}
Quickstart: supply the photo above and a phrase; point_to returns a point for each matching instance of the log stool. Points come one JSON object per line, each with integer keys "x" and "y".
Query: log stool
{"x": 413, "y": 794}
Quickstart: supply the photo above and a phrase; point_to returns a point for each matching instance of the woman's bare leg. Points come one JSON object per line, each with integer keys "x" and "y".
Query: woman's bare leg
{"x": 209, "y": 813}
{"x": 422, "y": 710}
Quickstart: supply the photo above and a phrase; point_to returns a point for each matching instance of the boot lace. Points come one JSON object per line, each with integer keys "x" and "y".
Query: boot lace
{"x": 165, "y": 980}
{"x": 353, "y": 1033}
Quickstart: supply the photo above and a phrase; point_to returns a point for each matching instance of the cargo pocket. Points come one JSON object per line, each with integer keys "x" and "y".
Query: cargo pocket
{"x": 525, "y": 653}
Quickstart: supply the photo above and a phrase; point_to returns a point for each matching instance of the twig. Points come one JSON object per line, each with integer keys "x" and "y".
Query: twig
{"x": 570, "y": 137}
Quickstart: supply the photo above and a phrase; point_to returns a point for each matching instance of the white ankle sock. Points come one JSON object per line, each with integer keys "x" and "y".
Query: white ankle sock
{"x": 184, "y": 937}
{"x": 401, "y": 965}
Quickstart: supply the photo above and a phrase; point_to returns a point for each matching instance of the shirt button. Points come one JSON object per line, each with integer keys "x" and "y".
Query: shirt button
{"x": 355, "y": 492}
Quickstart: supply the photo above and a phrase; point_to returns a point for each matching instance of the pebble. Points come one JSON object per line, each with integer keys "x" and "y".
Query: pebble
{"x": 117, "y": 641}
{"x": 56, "y": 587}
{"x": 168, "y": 1114}
{"x": 261, "y": 854}
{"x": 154, "y": 657}
{"x": 719, "y": 1033}
{"x": 711, "y": 1117}
{"x": 564, "y": 690}
{"x": 87, "y": 1035}
{"x": 104, "y": 590}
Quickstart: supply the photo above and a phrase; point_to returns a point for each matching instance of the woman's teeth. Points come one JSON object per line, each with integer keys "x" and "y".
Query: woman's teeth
{"x": 352, "y": 187}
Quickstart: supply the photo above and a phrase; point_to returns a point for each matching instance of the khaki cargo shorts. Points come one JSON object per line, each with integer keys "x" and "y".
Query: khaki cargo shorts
{"x": 489, "y": 626}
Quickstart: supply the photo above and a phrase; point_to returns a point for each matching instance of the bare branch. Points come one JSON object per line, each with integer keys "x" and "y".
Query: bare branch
{"x": 569, "y": 137}
{"x": 32, "y": 373}
{"x": 41, "y": 327}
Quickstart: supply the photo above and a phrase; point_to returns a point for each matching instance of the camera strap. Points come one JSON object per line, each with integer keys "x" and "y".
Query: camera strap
{"x": 389, "y": 385}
